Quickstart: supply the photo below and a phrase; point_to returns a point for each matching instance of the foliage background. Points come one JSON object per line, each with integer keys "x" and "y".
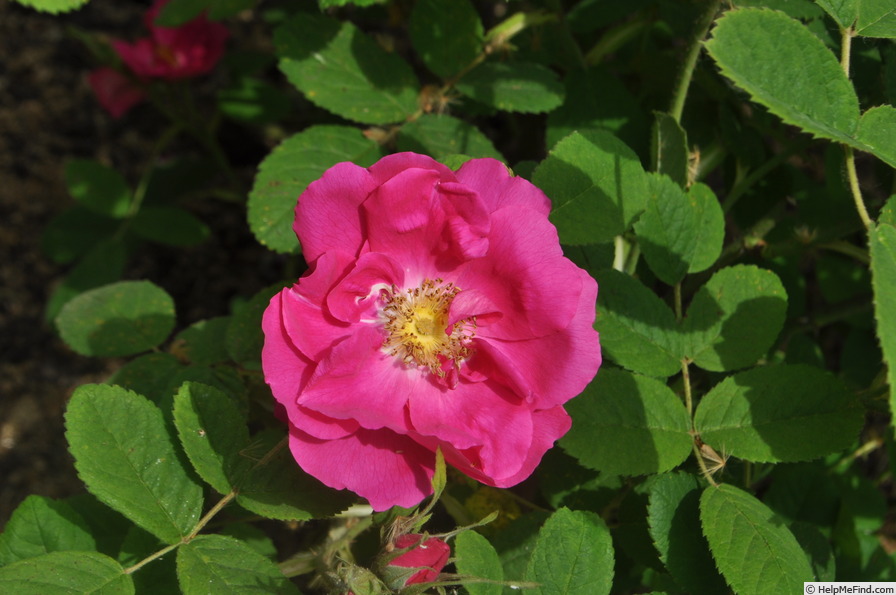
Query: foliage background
{"x": 796, "y": 220}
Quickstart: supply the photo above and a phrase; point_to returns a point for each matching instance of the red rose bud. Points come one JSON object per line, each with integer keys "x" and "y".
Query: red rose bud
{"x": 413, "y": 562}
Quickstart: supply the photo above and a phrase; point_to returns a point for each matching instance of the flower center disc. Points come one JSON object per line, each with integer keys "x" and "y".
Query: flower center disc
{"x": 416, "y": 323}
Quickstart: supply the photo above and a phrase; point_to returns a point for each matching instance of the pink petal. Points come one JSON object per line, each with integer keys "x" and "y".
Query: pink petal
{"x": 384, "y": 467}
{"x": 320, "y": 426}
{"x": 115, "y": 92}
{"x": 551, "y": 369}
{"x": 468, "y": 221}
{"x": 483, "y": 416}
{"x": 359, "y": 291}
{"x": 499, "y": 189}
{"x": 548, "y": 426}
{"x": 404, "y": 220}
{"x": 392, "y": 165}
{"x": 525, "y": 275}
{"x": 309, "y": 325}
{"x": 328, "y": 215}
{"x": 286, "y": 369}
{"x": 356, "y": 380}
{"x": 431, "y": 556}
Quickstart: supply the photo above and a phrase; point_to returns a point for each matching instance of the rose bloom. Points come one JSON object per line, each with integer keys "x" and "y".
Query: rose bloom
{"x": 438, "y": 312}
{"x": 116, "y": 93}
{"x": 172, "y": 53}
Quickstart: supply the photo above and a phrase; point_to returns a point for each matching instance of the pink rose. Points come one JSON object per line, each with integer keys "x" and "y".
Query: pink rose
{"x": 430, "y": 557}
{"x": 172, "y": 53}
{"x": 438, "y": 312}
{"x": 115, "y": 92}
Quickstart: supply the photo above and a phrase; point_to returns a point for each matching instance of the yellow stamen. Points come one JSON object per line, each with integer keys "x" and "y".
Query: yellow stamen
{"x": 416, "y": 322}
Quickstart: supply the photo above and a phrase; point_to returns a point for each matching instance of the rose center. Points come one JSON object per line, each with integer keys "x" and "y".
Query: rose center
{"x": 417, "y": 329}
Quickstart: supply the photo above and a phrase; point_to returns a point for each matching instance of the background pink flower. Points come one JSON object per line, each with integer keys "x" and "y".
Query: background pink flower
{"x": 115, "y": 92}
{"x": 438, "y": 312}
{"x": 172, "y": 53}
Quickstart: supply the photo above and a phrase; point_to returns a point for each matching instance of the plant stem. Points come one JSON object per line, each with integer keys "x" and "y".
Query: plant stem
{"x": 846, "y": 35}
{"x": 687, "y": 72}
{"x": 745, "y": 183}
{"x": 202, "y": 523}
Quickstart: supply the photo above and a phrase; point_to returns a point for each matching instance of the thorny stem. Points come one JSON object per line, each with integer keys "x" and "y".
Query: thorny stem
{"x": 687, "y": 71}
{"x": 846, "y": 35}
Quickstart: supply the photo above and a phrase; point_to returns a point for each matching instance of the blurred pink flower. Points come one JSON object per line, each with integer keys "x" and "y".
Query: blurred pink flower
{"x": 438, "y": 312}
{"x": 115, "y": 92}
{"x": 172, "y": 53}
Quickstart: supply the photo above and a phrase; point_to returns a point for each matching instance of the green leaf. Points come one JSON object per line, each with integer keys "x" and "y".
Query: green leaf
{"x": 342, "y": 70}
{"x": 680, "y": 232}
{"x": 842, "y": 11}
{"x": 596, "y": 184}
{"x": 107, "y": 527}
{"x": 779, "y": 414}
{"x": 289, "y": 168}
{"x": 887, "y": 213}
{"x": 515, "y": 543}
{"x": 244, "y": 338}
{"x": 669, "y": 148}
{"x": 203, "y": 342}
{"x": 99, "y": 188}
{"x": 254, "y": 101}
{"x": 734, "y": 319}
{"x": 170, "y": 225}
{"x": 876, "y": 18}
{"x": 125, "y": 456}
{"x": 220, "y": 564}
{"x": 753, "y": 549}
{"x": 447, "y": 34}
{"x": 818, "y": 550}
{"x": 148, "y": 375}
{"x": 66, "y": 573}
{"x": 876, "y": 133}
{"x": 525, "y": 87}
{"x": 276, "y": 488}
{"x": 119, "y": 319}
{"x": 573, "y": 555}
{"x": 882, "y": 245}
{"x": 475, "y": 556}
{"x": 158, "y": 577}
{"x": 212, "y": 431}
{"x": 643, "y": 426}
{"x": 101, "y": 265}
{"x": 637, "y": 329}
{"x": 53, "y": 6}
{"x": 178, "y": 12}
{"x": 328, "y": 3}
{"x": 74, "y": 232}
{"x": 786, "y": 68}
{"x": 596, "y": 99}
{"x": 41, "y": 525}
{"x": 443, "y": 135}
{"x": 673, "y": 512}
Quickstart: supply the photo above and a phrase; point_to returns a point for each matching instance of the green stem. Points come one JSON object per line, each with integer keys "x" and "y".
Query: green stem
{"x": 687, "y": 72}
{"x": 745, "y": 183}
{"x": 199, "y": 526}
{"x": 143, "y": 184}
{"x": 846, "y": 35}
